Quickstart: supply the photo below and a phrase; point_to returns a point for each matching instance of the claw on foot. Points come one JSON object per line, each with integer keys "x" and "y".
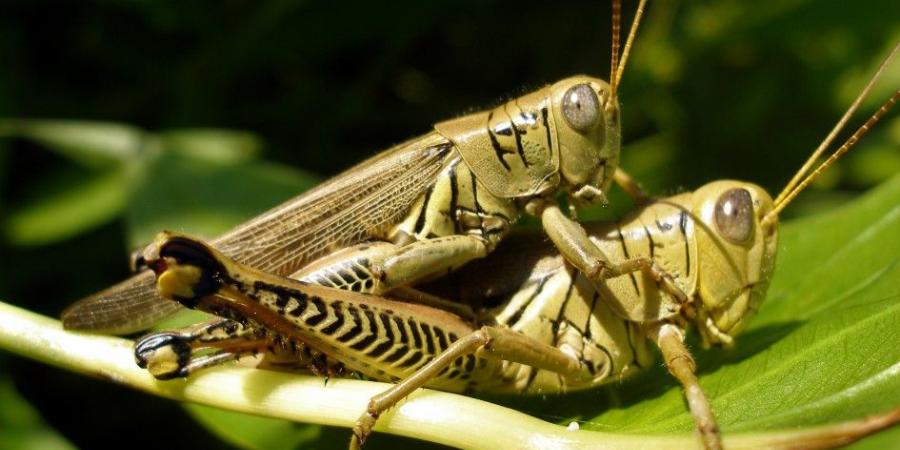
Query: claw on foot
{"x": 362, "y": 429}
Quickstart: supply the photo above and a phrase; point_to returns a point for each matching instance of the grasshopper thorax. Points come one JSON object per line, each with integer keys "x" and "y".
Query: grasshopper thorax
{"x": 563, "y": 136}
{"x": 736, "y": 256}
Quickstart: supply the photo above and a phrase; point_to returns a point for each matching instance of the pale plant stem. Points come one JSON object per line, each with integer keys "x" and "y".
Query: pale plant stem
{"x": 445, "y": 418}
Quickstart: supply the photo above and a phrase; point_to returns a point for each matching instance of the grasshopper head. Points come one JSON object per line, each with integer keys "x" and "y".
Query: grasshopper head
{"x": 586, "y": 115}
{"x": 736, "y": 255}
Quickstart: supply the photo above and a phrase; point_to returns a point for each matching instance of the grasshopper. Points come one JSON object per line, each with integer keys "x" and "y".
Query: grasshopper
{"x": 441, "y": 200}
{"x": 541, "y": 326}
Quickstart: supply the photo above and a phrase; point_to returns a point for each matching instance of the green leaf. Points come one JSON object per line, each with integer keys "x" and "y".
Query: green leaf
{"x": 188, "y": 194}
{"x": 212, "y": 145}
{"x": 68, "y": 206}
{"x": 21, "y": 427}
{"x": 90, "y": 143}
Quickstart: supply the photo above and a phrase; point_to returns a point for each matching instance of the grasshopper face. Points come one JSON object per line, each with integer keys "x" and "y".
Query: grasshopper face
{"x": 736, "y": 254}
{"x": 586, "y": 115}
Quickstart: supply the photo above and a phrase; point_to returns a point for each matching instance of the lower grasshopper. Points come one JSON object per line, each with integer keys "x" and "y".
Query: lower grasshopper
{"x": 715, "y": 248}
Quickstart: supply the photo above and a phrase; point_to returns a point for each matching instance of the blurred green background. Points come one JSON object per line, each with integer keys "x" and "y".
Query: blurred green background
{"x": 196, "y": 115}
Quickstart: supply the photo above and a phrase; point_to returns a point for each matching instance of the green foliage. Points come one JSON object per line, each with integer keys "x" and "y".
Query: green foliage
{"x": 21, "y": 426}
{"x": 726, "y": 89}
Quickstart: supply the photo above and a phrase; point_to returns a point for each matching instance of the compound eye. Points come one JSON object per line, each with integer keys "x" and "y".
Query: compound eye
{"x": 734, "y": 215}
{"x": 581, "y": 107}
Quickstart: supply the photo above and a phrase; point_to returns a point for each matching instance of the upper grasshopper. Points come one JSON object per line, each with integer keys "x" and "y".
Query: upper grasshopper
{"x": 442, "y": 199}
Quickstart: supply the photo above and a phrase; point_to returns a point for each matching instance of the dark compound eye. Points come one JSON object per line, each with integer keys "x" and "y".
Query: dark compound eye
{"x": 734, "y": 215}
{"x": 581, "y": 107}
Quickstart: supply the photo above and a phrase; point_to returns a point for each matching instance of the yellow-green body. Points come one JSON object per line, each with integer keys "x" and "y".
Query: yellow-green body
{"x": 526, "y": 287}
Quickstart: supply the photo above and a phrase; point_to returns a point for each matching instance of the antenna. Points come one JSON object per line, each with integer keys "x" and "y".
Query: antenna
{"x": 614, "y": 51}
{"x": 618, "y": 67}
{"x": 837, "y": 128}
{"x": 851, "y": 141}
{"x": 632, "y": 33}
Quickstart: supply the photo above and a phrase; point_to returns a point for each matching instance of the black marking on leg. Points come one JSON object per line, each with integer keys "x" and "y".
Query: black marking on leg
{"x": 358, "y": 270}
{"x": 280, "y": 303}
{"x": 414, "y": 330}
{"x": 355, "y": 330}
{"x": 401, "y": 351}
{"x": 283, "y": 292}
{"x": 345, "y": 276}
{"x": 429, "y": 340}
{"x": 404, "y": 338}
{"x": 386, "y": 324}
{"x": 470, "y": 363}
{"x": 442, "y": 339}
{"x": 301, "y": 307}
{"x": 371, "y": 336}
{"x": 338, "y": 321}
{"x": 321, "y": 313}
{"x": 323, "y": 280}
{"x": 413, "y": 360}
{"x": 381, "y": 348}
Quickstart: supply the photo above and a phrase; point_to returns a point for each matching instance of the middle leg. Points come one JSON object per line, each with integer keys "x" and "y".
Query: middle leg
{"x": 487, "y": 342}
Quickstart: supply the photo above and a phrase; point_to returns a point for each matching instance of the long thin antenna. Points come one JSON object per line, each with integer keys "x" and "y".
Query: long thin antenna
{"x": 851, "y": 141}
{"x": 837, "y": 129}
{"x": 614, "y": 51}
{"x": 632, "y": 33}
